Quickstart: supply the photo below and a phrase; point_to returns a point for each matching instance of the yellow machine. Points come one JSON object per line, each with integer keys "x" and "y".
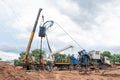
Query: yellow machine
{"x": 27, "y": 60}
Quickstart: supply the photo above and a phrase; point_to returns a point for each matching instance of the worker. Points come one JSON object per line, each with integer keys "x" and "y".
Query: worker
{"x": 51, "y": 64}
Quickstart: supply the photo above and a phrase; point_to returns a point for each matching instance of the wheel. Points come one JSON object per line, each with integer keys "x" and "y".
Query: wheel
{"x": 77, "y": 67}
{"x": 71, "y": 67}
{"x": 49, "y": 68}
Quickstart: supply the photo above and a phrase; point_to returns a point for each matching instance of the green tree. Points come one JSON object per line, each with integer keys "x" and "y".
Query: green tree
{"x": 113, "y": 58}
{"x": 60, "y": 57}
{"x": 17, "y": 62}
{"x": 37, "y": 53}
{"x": 22, "y": 55}
{"x": 106, "y": 53}
{"x": 117, "y": 57}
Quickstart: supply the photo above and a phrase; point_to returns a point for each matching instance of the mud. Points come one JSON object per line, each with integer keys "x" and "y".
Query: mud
{"x": 10, "y": 72}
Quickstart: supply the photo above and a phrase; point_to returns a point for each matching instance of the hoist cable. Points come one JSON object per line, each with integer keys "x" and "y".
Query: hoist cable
{"x": 69, "y": 35}
{"x": 48, "y": 44}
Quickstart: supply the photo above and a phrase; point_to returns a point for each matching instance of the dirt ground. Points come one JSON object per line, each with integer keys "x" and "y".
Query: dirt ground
{"x": 10, "y": 72}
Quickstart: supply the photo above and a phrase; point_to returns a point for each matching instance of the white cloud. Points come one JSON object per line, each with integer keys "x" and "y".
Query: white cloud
{"x": 104, "y": 32}
{"x": 8, "y": 55}
{"x": 108, "y": 25}
{"x": 69, "y": 7}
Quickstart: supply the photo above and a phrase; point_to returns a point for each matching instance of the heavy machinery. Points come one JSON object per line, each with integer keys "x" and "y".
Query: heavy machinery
{"x": 96, "y": 61}
{"x": 92, "y": 60}
{"x": 42, "y": 32}
{"x": 52, "y": 59}
{"x": 72, "y": 63}
{"x": 84, "y": 60}
{"x": 28, "y": 62}
{"x": 66, "y": 62}
{"x": 83, "y": 57}
{"x": 41, "y": 62}
{"x": 69, "y": 62}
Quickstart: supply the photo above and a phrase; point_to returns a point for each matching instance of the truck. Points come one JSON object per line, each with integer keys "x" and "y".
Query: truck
{"x": 96, "y": 61}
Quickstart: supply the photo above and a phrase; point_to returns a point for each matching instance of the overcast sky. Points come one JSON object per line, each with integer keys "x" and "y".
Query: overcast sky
{"x": 93, "y": 24}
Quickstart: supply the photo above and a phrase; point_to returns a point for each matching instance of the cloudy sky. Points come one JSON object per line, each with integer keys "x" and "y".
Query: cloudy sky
{"x": 93, "y": 24}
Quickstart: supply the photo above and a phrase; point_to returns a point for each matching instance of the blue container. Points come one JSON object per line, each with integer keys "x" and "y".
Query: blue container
{"x": 74, "y": 60}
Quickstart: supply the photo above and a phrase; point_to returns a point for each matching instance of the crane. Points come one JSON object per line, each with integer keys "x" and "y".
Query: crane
{"x": 51, "y": 54}
{"x": 70, "y": 46}
{"x": 27, "y": 60}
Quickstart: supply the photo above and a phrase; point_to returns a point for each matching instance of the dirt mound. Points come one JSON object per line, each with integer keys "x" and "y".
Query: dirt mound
{"x": 10, "y": 72}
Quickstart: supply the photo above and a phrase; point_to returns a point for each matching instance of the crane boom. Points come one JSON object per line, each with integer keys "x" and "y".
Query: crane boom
{"x": 32, "y": 35}
{"x": 52, "y": 58}
{"x": 70, "y": 46}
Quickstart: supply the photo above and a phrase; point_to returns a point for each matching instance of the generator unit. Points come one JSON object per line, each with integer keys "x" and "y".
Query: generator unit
{"x": 94, "y": 54}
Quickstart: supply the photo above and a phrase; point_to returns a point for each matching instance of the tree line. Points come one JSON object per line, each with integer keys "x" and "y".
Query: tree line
{"x": 114, "y": 58}
{"x": 37, "y": 53}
